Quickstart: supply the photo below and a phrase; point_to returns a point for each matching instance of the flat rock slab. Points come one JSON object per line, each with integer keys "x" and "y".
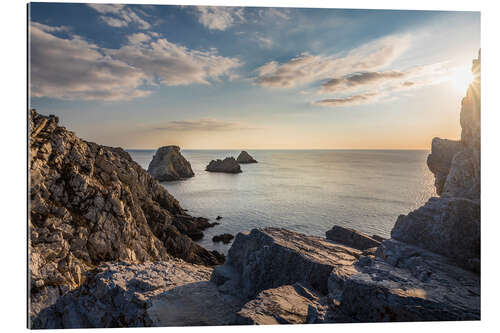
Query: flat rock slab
{"x": 351, "y": 237}
{"x": 293, "y": 304}
{"x": 168, "y": 293}
{"x": 406, "y": 283}
{"x": 273, "y": 257}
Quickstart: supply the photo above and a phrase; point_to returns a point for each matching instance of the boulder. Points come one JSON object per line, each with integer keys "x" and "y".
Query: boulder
{"x": 168, "y": 164}
{"x": 290, "y": 304}
{"x": 91, "y": 204}
{"x": 228, "y": 165}
{"x": 351, "y": 237}
{"x": 167, "y": 293}
{"x": 245, "y": 158}
{"x": 224, "y": 238}
{"x": 448, "y": 226}
{"x": 273, "y": 257}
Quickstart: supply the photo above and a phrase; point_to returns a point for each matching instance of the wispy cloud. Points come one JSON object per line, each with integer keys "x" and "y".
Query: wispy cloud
{"x": 220, "y": 18}
{"x": 118, "y": 16}
{"x": 207, "y": 125}
{"x": 350, "y": 100}
{"x": 74, "y": 68}
{"x": 274, "y": 13}
{"x": 360, "y": 79}
{"x": 308, "y": 68}
{"x": 266, "y": 42}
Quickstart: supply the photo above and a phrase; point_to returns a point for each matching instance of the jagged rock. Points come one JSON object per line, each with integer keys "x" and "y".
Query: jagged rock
{"x": 273, "y": 257}
{"x": 291, "y": 304}
{"x": 169, "y": 293}
{"x": 168, "y": 164}
{"x": 228, "y": 165}
{"x": 245, "y": 158}
{"x": 351, "y": 237}
{"x": 439, "y": 160}
{"x": 448, "y": 226}
{"x": 224, "y": 238}
{"x": 193, "y": 227}
{"x": 90, "y": 204}
{"x": 404, "y": 283}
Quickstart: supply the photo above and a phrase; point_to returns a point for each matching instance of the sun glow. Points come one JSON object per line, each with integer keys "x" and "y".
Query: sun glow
{"x": 461, "y": 78}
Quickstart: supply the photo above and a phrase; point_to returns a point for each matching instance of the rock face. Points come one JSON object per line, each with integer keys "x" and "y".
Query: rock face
{"x": 245, "y": 158}
{"x": 450, "y": 224}
{"x": 351, "y": 237}
{"x": 275, "y": 269}
{"x": 168, "y": 164}
{"x": 91, "y": 204}
{"x": 169, "y": 293}
{"x": 228, "y": 165}
{"x": 224, "y": 238}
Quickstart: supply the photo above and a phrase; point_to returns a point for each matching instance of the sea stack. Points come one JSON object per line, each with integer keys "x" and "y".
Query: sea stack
{"x": 245, "y": 158}
{"x": 228, "y": 165}
{"x": 168, "y": 164}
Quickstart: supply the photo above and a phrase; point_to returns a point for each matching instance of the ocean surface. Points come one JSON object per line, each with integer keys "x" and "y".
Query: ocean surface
{"x": 307, "y": 191}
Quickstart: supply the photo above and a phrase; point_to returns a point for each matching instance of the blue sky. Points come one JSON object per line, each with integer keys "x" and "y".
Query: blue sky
{"x": 140, "y": 76}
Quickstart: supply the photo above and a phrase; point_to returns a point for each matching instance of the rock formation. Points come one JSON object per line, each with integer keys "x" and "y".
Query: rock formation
{"x": 228, "y": 165}
{"x": 91, "y": 204}
{"x": 224, "y": 238}
{"x": 245, "y": 158}
{"x": 450, "y": 224}
{"x": 168, "y": 164}
{"x": 351, "y": 237}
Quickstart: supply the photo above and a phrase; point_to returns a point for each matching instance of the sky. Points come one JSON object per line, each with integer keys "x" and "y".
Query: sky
{"x": 145, "y": 76}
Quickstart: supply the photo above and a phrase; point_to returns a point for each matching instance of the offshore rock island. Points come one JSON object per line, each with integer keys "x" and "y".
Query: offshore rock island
{"x": 110, "y": 247}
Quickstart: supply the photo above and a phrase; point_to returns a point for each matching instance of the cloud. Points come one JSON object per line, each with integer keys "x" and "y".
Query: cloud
{"x": 360, "y": 79}
{"x": 219, "y": 18}
{"x": 307, "y": 68}
{"x": 275, "y": 13}
{"x": 73, "y": 68}
{"x": 350, "y": 100}
{"x": 265, "y": 42}
{"x": 119, "y": 16}
{"x": 208, "y": 125}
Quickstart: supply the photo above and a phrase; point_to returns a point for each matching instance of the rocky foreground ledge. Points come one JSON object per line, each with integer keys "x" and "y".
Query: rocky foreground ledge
{"x": 274, "y": 276}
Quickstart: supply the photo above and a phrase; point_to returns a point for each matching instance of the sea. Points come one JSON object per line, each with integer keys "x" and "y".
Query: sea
{"x": 307, "y": 191}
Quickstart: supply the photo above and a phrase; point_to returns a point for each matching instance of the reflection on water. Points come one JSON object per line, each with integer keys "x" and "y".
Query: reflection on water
{"x": 306, "y": 191}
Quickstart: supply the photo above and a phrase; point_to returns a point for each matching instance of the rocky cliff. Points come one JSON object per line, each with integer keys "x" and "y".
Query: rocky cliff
{"x": 91, "y": 204}
{"x": 450, "y": 225}
{"x": 168, "y": 164}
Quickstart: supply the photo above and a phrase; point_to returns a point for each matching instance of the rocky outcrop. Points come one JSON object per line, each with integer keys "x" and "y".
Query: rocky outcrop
{"x": 293, "y": 304}
{"x": 168, "y": 164}
{"x": 398, "y": 282}
{"x": 450, "y": 224}
{"x": 91, "y": 204}
{"x": 245, "y": 158}
{"x": 351, "y": 237}
{"x": 169, "y": 293}
{"x": 224, "y": 238}
{"x": 228, "y": 165}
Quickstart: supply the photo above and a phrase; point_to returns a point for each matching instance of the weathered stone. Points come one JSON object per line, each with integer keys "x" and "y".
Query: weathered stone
{"x": 273, "y": 257}
{"x": 228, "y": 165}
{"x": 351, "y": 237}
{"x": 168, "y": 164}
{"x": 404, "y": 283}
{"x": 90, "y": 204}
{"x": 168, "y": 293}
{"x": 290, "y": 304}
{"x": 448, "y": 226}
{"x": 245, "y": 158}
{"x": 439, "y": 160}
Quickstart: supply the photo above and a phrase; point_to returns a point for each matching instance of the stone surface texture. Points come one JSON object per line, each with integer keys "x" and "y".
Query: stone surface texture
{"x": 168, "y": 164}
{"x": 91, "y": 204}
{"x": 351, "y": 237}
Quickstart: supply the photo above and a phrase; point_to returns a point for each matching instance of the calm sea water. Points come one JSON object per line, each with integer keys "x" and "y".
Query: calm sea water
{"x": 307, "y": 191}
